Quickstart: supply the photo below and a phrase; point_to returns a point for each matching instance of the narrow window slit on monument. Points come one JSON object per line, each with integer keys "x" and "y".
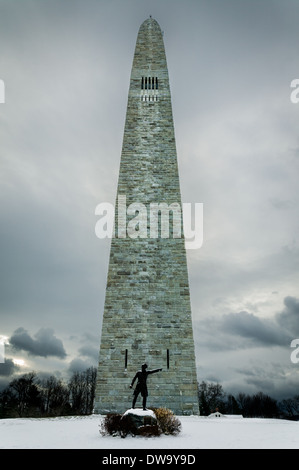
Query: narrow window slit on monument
{"x": 126, "y": 359}
{"x": 167, "y": 358}
{"x": 142, "y": 83}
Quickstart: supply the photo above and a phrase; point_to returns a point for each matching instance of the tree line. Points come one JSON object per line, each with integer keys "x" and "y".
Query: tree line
{"x": 30, "y": 396}
{"x": 212, "y": 398}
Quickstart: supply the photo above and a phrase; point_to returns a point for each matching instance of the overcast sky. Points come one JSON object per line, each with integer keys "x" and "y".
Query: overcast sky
{"x": 66, "y": 66}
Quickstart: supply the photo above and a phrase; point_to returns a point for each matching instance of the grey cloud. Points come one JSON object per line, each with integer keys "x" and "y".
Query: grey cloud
{"x": 292, "y": 304}
{"x": 79, "y": 365}
{"x": 43, "y": 344}
{"x": 241, "y": 330}
{"x": 260, "y": 331}
{"x": 281, "y": 204}
{"x": 8, "y": 368}
{"x": 270, "y": 378}
{"x": 90, "y": 347}
{"x": 89, "y": 351}
{"x": 288, "y": 319}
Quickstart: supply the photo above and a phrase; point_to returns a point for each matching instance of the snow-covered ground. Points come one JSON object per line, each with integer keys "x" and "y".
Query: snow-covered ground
{"x": 197, "y": 433}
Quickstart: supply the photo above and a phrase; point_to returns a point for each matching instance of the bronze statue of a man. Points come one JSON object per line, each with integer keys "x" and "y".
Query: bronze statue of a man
{"x": 141, "y": 387}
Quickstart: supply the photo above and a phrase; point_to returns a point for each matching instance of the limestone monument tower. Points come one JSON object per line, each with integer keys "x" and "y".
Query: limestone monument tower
{"x": 147, "y": 312}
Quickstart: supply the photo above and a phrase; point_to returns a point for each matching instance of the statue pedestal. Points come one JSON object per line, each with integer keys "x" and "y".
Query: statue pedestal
{"x": 140, "y": 417}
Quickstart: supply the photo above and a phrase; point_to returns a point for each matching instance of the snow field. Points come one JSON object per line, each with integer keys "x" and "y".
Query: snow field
{"x": 197, "y": 433}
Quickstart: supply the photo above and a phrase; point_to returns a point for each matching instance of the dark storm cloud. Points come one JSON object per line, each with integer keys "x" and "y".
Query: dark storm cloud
{"x": 8, "y": 368}
{"x": 243, "y": 329}
{"x": 43, "y": 344}
{"x": 288, "y": 319}
{"x": 259, "y": 331}
{"x": 7, "y": 371}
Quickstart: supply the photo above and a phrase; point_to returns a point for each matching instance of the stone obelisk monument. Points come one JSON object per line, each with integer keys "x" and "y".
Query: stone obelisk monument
{"x": 147, "y": 313}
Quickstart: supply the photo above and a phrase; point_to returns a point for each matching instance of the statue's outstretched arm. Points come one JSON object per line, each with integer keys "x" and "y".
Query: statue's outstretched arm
{"x": 153, "y": 371}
